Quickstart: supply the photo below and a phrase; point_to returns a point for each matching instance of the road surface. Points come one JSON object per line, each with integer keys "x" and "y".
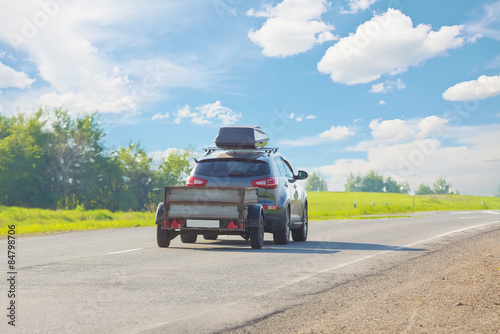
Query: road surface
{"x": 119, "y": 281}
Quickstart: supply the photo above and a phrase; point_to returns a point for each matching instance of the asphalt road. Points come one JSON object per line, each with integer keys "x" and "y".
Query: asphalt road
{"x": 119, "y": 281}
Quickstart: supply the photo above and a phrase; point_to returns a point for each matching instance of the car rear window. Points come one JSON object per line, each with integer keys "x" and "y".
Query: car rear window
{"x": 232, "y": 168}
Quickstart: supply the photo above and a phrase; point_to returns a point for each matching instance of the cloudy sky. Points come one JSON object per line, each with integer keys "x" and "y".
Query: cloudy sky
{"x": 408, "y": 88}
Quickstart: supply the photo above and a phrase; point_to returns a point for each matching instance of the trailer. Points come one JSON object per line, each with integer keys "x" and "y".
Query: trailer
{"x": 210, "y": 212}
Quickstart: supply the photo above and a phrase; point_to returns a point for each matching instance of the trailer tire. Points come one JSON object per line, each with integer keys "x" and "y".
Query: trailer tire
{"x": 162, "y": 237}
{"x": 189, "y": 238}
{"x": 210, "y": 236}
{"x": 257, "y": 235}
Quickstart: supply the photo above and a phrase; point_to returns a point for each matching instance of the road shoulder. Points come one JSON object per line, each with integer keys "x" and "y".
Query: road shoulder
{"x": 453, "y": 288}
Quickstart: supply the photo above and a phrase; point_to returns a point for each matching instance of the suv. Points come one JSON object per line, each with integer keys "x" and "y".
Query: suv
{"x": 283, "y": 200}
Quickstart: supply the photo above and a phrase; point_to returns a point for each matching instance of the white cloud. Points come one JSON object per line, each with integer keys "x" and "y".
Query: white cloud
{"x": 334, "y": 133}
{"x": 471, "y": 164}
{"x": 378, "y": 88}
{"x": 391, "y": 130}
{"x": 387, "y": 44}
{"x": 207, "y": 114}
{"x": 482, "y": 88}
{"x": 358, "y": 5}
{"x": 487, "y": 25}
{"x": 382, "y": 102}
{"x": 301, "y": 142}
{"x": 388, "y": 86}
{"x": 109, "y": 94}
{"x": 64, "y": 54}
{"x": 292, "y": 27}
{"x": 397, "y": 130}
{"x": 494, "y": 63}
{"x": 161, "y": 116}
{"x": 431, "y": 127}
{"x": 11, "y": 78}
{"x": 78, "y": 47}
{"x": 301, "y": 117}
{"x": 337, "y": 133}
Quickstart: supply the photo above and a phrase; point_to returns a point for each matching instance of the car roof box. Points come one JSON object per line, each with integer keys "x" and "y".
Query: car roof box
{"x": 241, "y": 137}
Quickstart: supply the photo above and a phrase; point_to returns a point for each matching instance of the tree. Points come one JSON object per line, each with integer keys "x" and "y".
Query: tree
{"x": 105, "y": 185}
{"x": 315, "y": 182}
{"x": 424, "y": 189}
{"x": 353, "y": 183}
{"x": 404, "y": 188}
{"x": 372, "y": 182}
{"x": 391, "y": 186}
{"x": 74, "y": 145}
{"x": 441, "y": 186}
{"x": 23, "y": 162}
{"x": 136, "y": 168}
{"x": 172, "y": 171}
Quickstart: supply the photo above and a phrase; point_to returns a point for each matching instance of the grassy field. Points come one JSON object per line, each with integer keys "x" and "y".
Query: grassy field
{"x": 322, "y": 205}
{"x": 332, "y": 205}
{"x": 37, "y": 221}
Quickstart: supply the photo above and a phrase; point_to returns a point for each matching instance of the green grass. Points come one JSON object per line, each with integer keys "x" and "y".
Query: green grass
{"x": 332, "y": 205}
{"x": 37, "y": 221}
{"x": 322, "y": 205}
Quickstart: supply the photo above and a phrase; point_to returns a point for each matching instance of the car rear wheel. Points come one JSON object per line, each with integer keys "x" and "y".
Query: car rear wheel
{"x": 257, "y": 235}
{"x": 189, "y": 238}
{"x": 162, "y": 237}
{"x": 282, "y": 237}
{"x": 300, "y": 234}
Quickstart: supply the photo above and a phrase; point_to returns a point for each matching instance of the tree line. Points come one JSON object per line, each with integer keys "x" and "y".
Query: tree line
{"x": 374, "y": 182}
{"x": 52, "y": 160}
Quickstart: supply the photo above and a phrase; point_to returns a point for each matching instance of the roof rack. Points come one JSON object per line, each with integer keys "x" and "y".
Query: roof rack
{"x": 210, "y": 150}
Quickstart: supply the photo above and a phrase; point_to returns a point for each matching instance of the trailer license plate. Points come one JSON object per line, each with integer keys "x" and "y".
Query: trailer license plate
{"x": 202, "y": 223}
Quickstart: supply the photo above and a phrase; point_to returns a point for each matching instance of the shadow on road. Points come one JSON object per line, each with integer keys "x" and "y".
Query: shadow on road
{"x": 307, "y": 247}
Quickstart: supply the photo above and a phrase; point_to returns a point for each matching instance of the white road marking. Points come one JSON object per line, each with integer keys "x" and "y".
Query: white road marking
{"x": 230, "y": 305}
{"x": 345, "y": 264}
{"x": 125, "y": 251}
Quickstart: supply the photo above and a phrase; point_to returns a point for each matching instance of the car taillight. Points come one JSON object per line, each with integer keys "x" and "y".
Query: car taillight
{"x": 266, "y": 183}
{"x": 194, "y": 181}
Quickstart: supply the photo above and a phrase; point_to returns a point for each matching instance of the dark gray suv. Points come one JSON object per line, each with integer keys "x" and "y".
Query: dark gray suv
{"x": 283, "y": 200}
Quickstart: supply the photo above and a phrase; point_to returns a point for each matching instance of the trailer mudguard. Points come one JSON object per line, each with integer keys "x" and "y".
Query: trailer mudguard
{"x": 254, "y": 213}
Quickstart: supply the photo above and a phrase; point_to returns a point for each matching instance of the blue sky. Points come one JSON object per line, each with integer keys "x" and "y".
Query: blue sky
{"x": 410, "y": 89}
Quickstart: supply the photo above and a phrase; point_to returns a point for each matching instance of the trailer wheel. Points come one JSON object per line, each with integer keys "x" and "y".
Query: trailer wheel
{"x": 257, "y": 235}
{"x": 162, "y": 237}
{"x": 189, "y": 238}
{"x": 282, "y": 237}
{"x": 210, "y": 236}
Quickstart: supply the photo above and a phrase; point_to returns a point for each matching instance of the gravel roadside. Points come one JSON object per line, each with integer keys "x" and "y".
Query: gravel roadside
{"x": 453, "y": 288}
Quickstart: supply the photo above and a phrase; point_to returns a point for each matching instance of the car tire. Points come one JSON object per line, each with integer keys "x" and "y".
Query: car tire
{"x": 210, "y": 236}
{"x": 257, "y": 235}
{"x": 189, "y": 238}
{"x": 282, "y": 237}
{"x": 300, "y": 234}
{"x": 162, "y": 237}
